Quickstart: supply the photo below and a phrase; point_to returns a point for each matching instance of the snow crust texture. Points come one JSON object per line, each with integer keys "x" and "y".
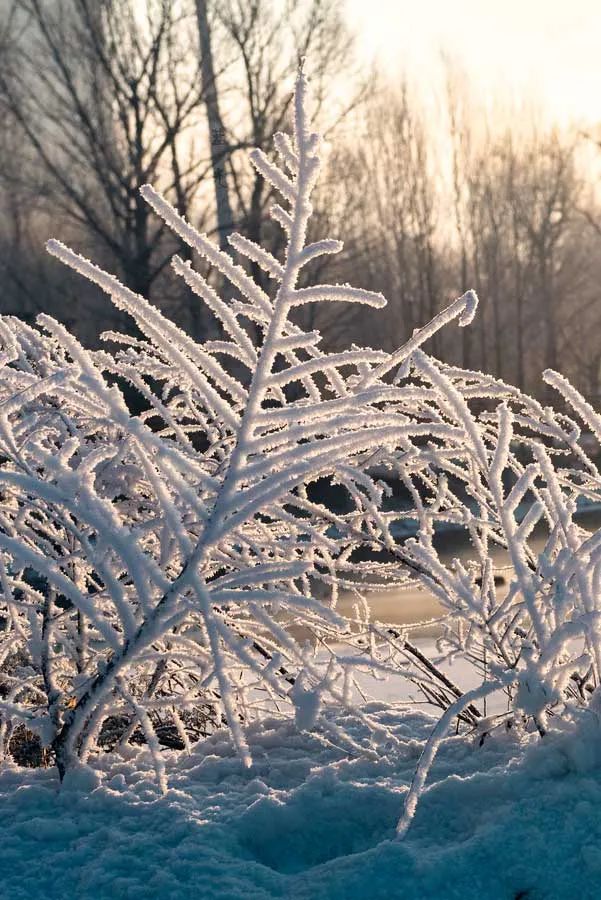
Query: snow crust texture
{"x": 306, "y": 823}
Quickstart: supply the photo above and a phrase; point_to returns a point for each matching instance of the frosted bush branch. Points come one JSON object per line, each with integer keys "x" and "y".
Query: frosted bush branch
{"x": 171, "y": 571}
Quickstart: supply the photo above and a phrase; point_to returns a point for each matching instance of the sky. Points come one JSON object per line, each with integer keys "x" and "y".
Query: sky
{"x": 542, "y": 53}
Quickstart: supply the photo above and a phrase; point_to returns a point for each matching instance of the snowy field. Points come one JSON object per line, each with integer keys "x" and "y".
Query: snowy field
{"x": 502, "y": 820}
{"x": 307, "y": 822}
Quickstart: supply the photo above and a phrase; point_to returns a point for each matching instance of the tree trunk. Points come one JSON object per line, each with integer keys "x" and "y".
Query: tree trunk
{"x": 216, "y": 129}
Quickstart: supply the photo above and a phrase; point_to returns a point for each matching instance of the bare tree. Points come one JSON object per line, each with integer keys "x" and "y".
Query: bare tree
{"x": 459, "y": 122}
{"x": 394, "y": 180}
{"x": 546, "y": 201}
{"x": 266, "y": 42}
{"x": 104, "y": 97}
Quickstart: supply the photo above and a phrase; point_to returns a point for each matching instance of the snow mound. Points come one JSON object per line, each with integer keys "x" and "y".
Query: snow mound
{"x": 308, "y": 822}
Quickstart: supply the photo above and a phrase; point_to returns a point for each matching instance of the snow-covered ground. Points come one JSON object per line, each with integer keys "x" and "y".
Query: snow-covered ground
{"x": 309, "y": 822}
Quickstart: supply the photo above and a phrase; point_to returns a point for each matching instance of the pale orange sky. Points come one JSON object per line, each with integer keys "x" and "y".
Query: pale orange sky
{"x": 542, "y": 51}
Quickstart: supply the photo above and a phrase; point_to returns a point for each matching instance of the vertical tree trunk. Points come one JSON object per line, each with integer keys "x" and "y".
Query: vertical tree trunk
{"x": 216, "y": 129}
{"x": 549, "y": 315}
{"x": 219, "y": 149}
{"x": 518, "y": 289}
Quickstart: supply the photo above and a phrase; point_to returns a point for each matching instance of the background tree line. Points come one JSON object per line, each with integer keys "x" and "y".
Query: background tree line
{"x": 100, "y": 96}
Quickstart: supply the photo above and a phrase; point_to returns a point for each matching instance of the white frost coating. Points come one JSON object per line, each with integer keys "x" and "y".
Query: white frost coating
{"x": 341, "y": 292}
{"x": 257, "y": 254}
{"x": 576, "y": 400}
{"x": 470, "y": 299}
{"x": 157, "y": 569}
{"x": 431, "y": 749}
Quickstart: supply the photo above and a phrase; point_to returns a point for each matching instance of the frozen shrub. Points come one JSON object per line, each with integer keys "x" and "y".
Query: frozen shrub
{"x": 158, "y": 564}
{"x": 535, "y": 632}
{"x": 170, "y": 571}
